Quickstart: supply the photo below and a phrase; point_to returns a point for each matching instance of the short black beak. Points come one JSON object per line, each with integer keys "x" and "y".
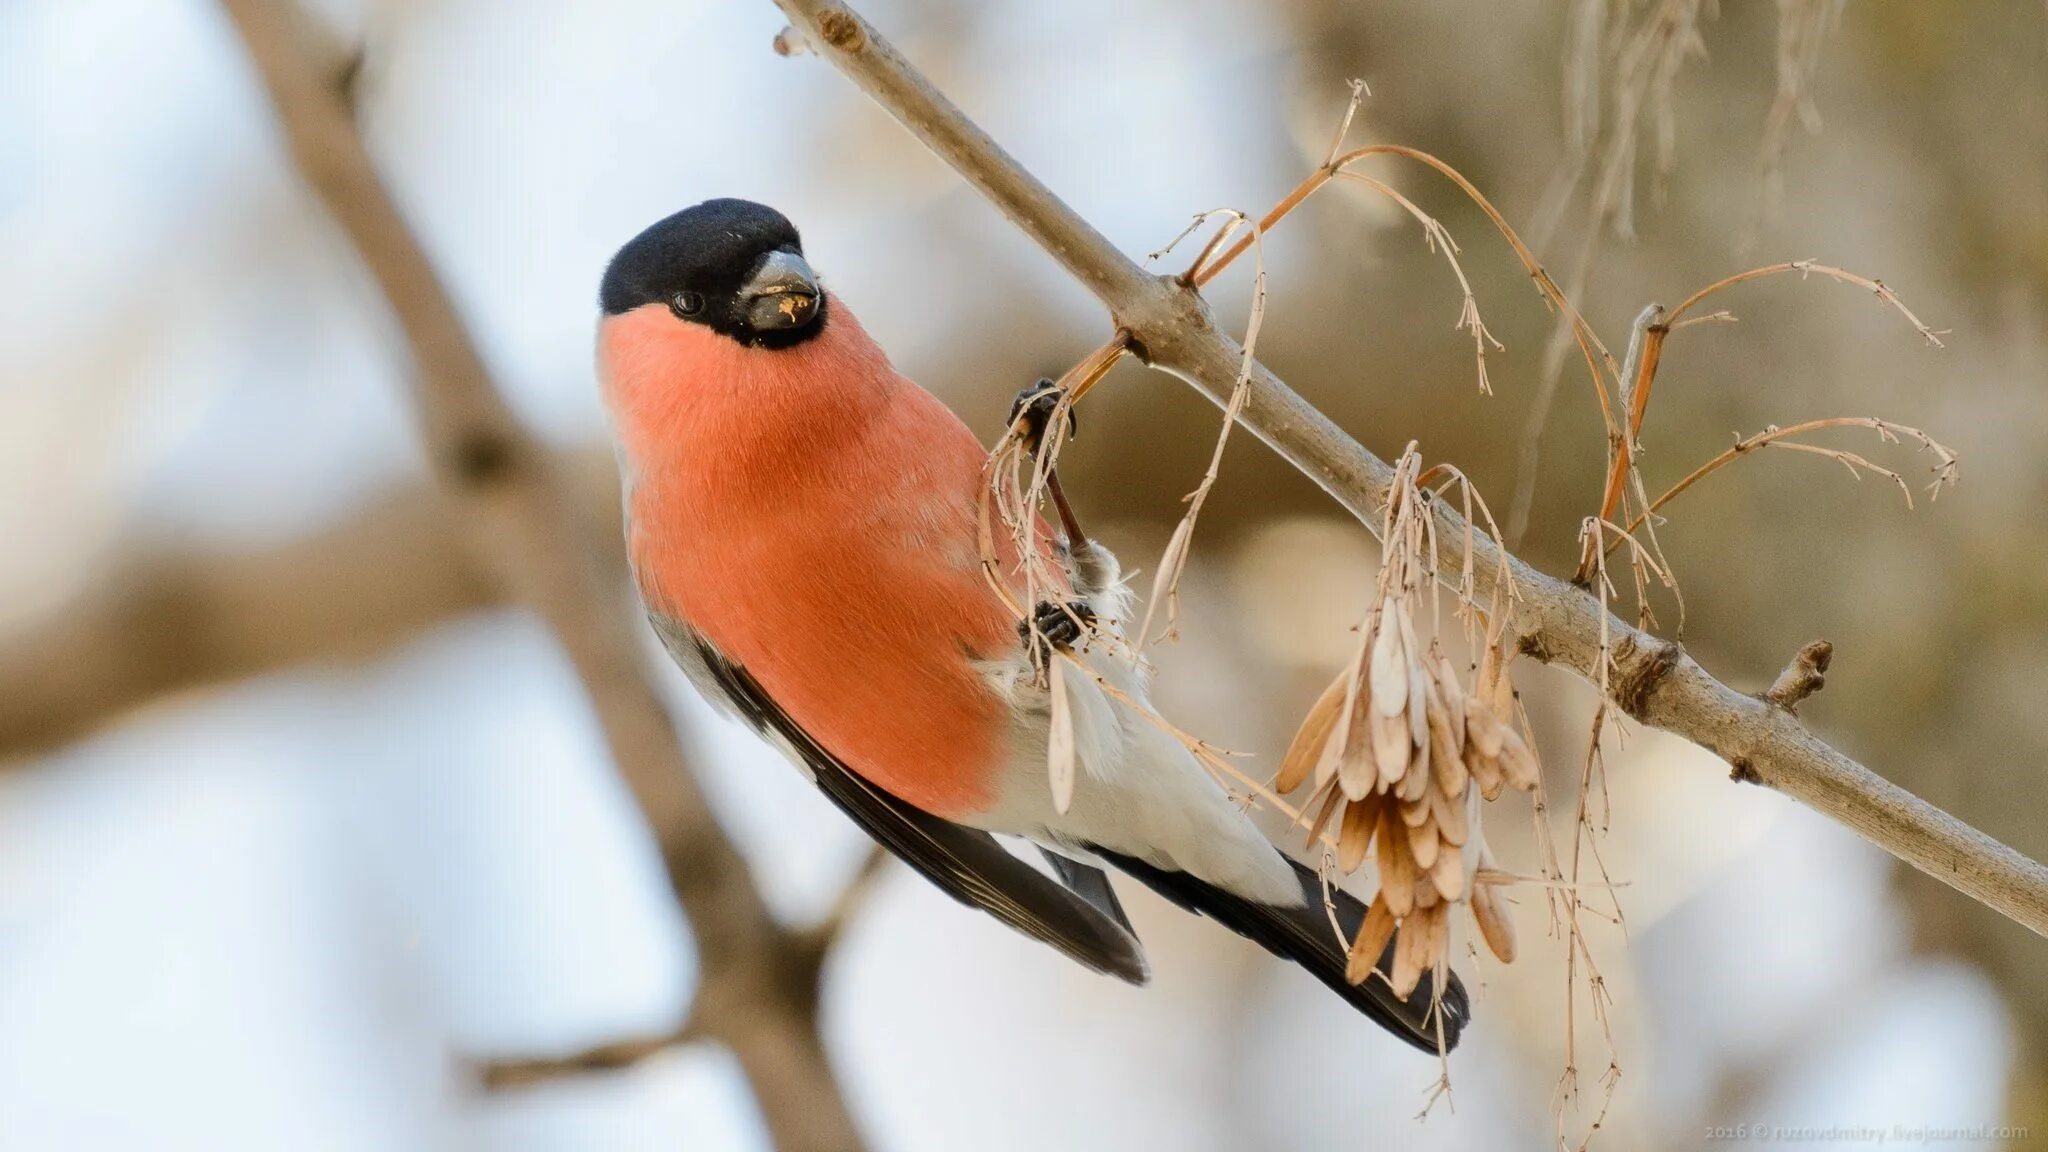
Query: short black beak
{"x": 782, "y": 294}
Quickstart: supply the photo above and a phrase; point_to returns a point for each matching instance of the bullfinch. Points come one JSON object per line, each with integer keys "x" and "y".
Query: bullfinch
{"x": 803, "y": 524}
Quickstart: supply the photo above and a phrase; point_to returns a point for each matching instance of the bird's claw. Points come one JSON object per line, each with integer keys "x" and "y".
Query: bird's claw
{"x": 1035, "y": 405}
{"x": 1060, "y": 624}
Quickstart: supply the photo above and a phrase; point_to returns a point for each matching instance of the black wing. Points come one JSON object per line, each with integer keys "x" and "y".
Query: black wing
{"x": 1091, "y": 884}
{"x": 1303, "y": 935}
{"x": 967, "y": 864}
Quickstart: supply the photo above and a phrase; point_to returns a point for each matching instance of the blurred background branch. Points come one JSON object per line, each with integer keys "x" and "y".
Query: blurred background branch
{"x": 162, "y": 620}
{"x": 756, "y": 994}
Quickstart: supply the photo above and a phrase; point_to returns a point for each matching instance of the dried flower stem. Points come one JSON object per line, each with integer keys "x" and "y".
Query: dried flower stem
{"x": 1173, "y": 562}
{"x": 1805, "y": 268}
{"x": 1945, "y": 466}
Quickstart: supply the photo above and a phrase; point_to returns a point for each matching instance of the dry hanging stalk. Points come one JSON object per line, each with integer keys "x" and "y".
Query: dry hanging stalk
{"x": 1341, "y": 164}
{"x": 1016, "y": 483}
{"x": 1173, "y": 561}
{"x": 1645, "y": 60}
{"x": 1018, "y": 497}
{"x": 1568, "y": 905}
{"x": 1625, "y": 497}
{"x": 1019, "y": 481}
{"x": 1016, "y": 489}
{"x": 1214, "y": 258}
{"x": 1438, "y": 238}
{"x": 1401, "y": 752}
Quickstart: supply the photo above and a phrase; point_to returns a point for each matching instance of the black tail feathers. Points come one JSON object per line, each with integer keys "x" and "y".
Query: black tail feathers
{"x": 1303, "y": 935}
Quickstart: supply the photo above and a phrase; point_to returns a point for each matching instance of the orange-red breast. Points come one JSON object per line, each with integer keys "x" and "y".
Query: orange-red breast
{"x": 802, "y": 522}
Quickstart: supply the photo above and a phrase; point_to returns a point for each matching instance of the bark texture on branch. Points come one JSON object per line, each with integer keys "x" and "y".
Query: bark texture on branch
{"x": 1172, "y": 329}
{"x": 756, "y": 994}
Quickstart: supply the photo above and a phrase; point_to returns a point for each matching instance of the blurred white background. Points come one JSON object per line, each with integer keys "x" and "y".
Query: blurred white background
{"x": 288, "y": 913}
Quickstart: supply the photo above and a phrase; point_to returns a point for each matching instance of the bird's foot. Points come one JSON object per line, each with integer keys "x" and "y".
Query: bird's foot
{"x": 1060, "y": 624}
{"x": 1035, "y": 405}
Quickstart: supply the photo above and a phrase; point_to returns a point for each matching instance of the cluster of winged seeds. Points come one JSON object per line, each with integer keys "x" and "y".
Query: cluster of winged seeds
{"x": 1405, "y": 753}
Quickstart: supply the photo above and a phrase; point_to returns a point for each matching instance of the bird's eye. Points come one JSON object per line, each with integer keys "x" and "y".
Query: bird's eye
{"x": 686, "y": 303}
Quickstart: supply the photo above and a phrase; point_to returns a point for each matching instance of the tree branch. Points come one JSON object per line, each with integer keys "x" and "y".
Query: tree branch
{"x": 510, "y": 502}
{"x": 1805, "y": 675}
{"x": 817, "y": 941}
{"x": 503, "y": 1075}
{"x": 803, "y": 956}
{"x": 165, "y": 620}
{"x": 1171, "y": 328}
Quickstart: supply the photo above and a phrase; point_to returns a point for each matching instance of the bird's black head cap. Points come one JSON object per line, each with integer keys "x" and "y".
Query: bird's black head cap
{"x": 734, "y": 266}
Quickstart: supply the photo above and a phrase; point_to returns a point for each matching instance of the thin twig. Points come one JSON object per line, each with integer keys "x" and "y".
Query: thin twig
{"x": 1805, "y": 675}
{"x": 1805, "y": 268}
{"x": 1638, "y": 378}
{"x": 1166, "y": 584}
{"x": 859, "y": 889}
{"x": 1944, "y": 469}
{"x": 504, "y": 1075}
{"x": 803, "y": 954}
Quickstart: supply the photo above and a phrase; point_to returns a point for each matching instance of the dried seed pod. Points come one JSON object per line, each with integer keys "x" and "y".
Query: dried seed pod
{"x": 1488, "y": 674}
{"x": 1404, "y": 747}
{"x": 1389, "y": 662}
{"x": 1423, "y": 844}
{"x": 1418, "y": 686}
{"x": 1486, "y": 773}
{"x": 1453, "y": 822}
{"x": 1373, "y": 935}
{"x": 1484, "y": 731}
{"x": 1437, "y": 944}
{"x": 1332, "y": 797}
{"x": 1390, "y": 747}
{"x": 1494, "y": 926}
{"x": 1059, "y": 747}
{"x": 1332, "y": 755}
{"x": 1447, "y": 872}
{"x": 1518, "y": 763}
{"x": 1426, "y": 895}
{"x": 1360, "y": 818}
{"x": 1409, "y": 948}
{"x": 1397, "y": 865}
{"x": 1453, "y": 698}
{"x": 1484, "y": 737}
{"x": 1501, "y": 688}
{"x": 1413, "y": 814}
{"x": 1415, "y": 781}
{"x": 1313, "y": 736}
{"x": 1446, "y": 755}
{"x": 1418, "y": 713}
{"x": 1357, "y": 767}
